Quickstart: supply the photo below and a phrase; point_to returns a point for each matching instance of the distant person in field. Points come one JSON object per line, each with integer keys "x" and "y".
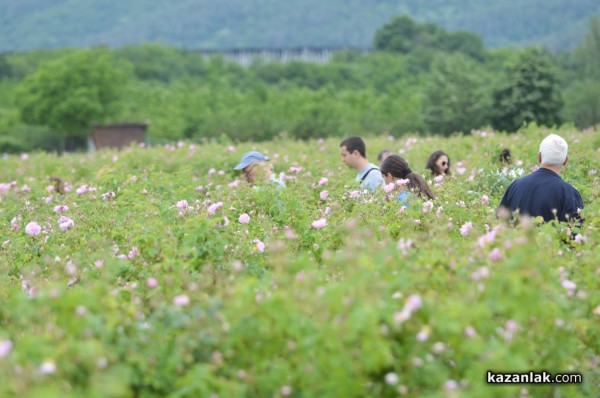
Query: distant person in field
{"x": 354, "y": 155}
{"x": 395, "y": 168}
{"x": 383, "y": 155}
{"x": 505, "y": 157}
{"x": 544, "y": 193}
{"x": 256, "y": 169}
{"x": 439, "y": 164}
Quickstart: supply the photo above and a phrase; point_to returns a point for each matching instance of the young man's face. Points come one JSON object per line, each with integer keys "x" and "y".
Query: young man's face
{"x": 348, "y": 158}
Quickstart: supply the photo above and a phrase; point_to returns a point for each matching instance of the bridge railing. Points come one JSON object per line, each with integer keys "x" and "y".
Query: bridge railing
{"x": 246, "y": 56}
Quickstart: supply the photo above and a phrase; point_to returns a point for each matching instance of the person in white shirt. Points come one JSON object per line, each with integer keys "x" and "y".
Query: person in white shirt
{"x": 354, "y": 155}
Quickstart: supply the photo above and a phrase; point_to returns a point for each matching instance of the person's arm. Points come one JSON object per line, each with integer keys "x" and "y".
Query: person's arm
{"x": 503, "y": 210}
{"x": 574, "y": 207}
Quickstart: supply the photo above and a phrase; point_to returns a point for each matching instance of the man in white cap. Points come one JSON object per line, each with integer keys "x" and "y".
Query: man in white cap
{"x": 256, "y": 169}
{"x": 544, "y": 193}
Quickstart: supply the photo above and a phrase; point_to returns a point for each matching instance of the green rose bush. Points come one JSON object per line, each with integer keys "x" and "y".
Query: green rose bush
{"x": 156, "y": 271}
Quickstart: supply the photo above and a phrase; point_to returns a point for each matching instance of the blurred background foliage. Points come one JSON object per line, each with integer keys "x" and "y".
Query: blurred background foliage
{"x": 419, "y": 78}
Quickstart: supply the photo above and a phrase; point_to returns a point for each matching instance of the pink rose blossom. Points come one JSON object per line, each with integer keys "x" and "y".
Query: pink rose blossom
{"x": 61, "y": 209}
{"x": 355, "y": 194}
{"x": 182, "y": 204}
{"x": 389, "y": 187}
{"x": 484, "y": 200}
{"x": 81, "y": 190}
{"x": 413, "y": 302}
{"x": 450, "y": 385}
{"x": 152, "y": 283}
{"x": 466, "y": 228}
{"x": 404, "y": 245}
{"x": 211, "y": 172}
{"x": 260, "y": 246}
{"x": 181, "y": 300}
{"x": 33, "y": 228}
{"x": 47, "y": 367}
{"x": 511, "y": 325}
{"x": 495, "y": 255}
{"x": 295, "y": 170}
{"x": 212, "y": 209}
{"x": 569, "y": 285}
{"x": 480, "y": 273}
{"x": 423, "y": 335}
{"x": 401, "y": 182}
{"x": 323, "y": 181}
{"x": 470, "y": 332}
{"x": 318, "y": 224}
{"x": 391, "y": 378}
{"x": 289, "y": 233}
{"x": 99, "y": 263}
{"x": 427, "y": 206}
{"x": 134, "y": 252}
{"x": 108, "y": 195}
{"x": 323, "y": 195}
{"x": 65, "y": 223}
{"x": 5, "y": 348}
{"x": 234, "y": 184}
{"x": 244, "y": 219}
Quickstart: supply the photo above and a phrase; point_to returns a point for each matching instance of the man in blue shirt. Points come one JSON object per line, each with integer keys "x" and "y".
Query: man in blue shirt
{"x": 354, "y": 155}
{"x": 544, "y": 193}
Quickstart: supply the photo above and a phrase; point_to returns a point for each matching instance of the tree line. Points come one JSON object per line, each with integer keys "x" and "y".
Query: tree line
{"x": 420, "y": 78}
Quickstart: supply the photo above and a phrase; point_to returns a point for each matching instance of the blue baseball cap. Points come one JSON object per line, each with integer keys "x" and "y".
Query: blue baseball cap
{"x": 249, "y": 158}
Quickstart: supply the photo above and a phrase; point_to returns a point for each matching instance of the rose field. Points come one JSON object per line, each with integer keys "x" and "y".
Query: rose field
{"x": 157, "y": 271}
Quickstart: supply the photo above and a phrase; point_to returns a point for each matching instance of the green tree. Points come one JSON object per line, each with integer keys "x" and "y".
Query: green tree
{"x": 397, "y": 35}
{"x": 582, "y": 96}
{"x": 531, "y": 93}
{"x": 587, "y": 54}
{"x": 582, "y": 103}
{"x": 70, "y": 93}
{"x": 455, "y": 96}
{"x": 404, "y": 35}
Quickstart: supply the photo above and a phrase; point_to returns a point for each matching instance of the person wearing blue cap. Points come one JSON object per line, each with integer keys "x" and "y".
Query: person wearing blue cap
{"x": 255, "y": 167}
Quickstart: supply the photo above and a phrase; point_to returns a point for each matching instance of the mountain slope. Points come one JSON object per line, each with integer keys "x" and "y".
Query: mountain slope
{"x": 217, "y": 24}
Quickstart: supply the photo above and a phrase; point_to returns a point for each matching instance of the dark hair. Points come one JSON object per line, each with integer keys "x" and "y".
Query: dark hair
{"x": 355, "y": 143}
{"x": 504, "y": 156}
{"x": 434, "y": 158}
{"x": 383, "y": 153}
{"x": 398, "y": 167}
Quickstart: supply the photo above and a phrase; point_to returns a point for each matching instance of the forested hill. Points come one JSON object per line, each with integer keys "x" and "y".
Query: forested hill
{"x": 222, "y": 24}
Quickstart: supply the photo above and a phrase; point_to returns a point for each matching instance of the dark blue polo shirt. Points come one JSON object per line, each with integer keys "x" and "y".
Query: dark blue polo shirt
{"x": 542, "y": 193}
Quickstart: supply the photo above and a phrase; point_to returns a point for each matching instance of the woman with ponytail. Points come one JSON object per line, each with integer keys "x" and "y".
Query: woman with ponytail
{"x": 395, "y": 168}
